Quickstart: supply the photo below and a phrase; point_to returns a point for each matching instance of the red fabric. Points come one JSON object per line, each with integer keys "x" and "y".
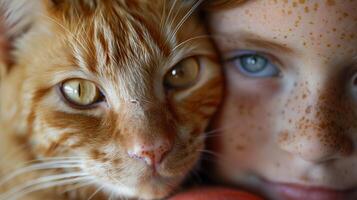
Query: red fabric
{"x": 215, "y": 194}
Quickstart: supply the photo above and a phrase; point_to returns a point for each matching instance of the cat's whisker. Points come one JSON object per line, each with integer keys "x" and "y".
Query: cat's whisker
{"x": 168, "y": 20}
{"x": 95, "y": 192}
{"x": 70, "y": 33}
{"x": 216, "y": 132}
{"x": 209, "y": 159}
{"x": 111, "y": 196}
{"x": 170, "y": 184}
{"x": 173, "y": 19}
{"x": 40, "y": 166}
{"x": 184, "y": 19}
{"x": 163, "y": 13}
{"x": 212, "y": 136}
{"x": 43, "y": 183}
{"x": 55, "y": 158}
{"x": 215, "y": 156}
{"x": 189, "y": 40}
{"x": 116, "y": 180}
{"x": 209, "y": 152}
{"x": 197, "y": 176}
{"x": 78, "y": 186}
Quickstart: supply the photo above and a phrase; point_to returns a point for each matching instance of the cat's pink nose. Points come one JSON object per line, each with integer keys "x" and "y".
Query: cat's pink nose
{"x": 152, "y": 154}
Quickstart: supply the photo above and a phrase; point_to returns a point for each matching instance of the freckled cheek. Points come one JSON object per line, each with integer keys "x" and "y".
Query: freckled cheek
{"x": 247, "y": 123}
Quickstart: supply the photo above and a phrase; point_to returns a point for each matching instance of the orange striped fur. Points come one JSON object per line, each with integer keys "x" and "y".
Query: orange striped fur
{"x": 125, "y": 47}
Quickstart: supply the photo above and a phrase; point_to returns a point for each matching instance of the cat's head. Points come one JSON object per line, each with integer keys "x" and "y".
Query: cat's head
{"x": 119, "y": 90}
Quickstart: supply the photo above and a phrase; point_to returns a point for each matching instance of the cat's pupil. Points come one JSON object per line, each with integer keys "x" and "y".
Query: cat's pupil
{"x": 79, "y": 89}
{"x": 177, "y": 73}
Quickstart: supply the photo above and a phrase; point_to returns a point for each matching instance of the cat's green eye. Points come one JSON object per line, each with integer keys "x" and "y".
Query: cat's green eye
{"x": 80, "y": 92}
{"x": 182, "y": 75}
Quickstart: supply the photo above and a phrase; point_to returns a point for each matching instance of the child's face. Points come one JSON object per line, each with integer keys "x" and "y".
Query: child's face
{"x": 289, "y": 120}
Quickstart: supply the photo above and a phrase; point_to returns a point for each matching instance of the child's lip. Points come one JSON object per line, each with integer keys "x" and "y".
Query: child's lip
{"x": 289, "y": 191}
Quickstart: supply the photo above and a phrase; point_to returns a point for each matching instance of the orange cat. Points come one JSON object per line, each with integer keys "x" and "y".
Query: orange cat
{"x": 104, "y": 99}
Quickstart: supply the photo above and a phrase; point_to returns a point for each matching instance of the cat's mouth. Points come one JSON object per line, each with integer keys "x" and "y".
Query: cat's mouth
{"x": 149, "y": 187}
{"x": 143, "y": 183}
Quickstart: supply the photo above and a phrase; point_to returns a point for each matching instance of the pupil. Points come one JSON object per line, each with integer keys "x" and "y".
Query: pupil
{"x": 253, "y": 63}
{"x": 177, "y": 73}
{"x": 252, "y": 60}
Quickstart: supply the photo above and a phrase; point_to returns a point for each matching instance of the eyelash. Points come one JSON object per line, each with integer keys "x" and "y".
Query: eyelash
{"x": 268, "y": 70}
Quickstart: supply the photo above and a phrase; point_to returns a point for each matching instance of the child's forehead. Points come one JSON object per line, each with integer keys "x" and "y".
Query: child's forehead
{"x": 319, "y": 25}
{"x": 293, "y": 14}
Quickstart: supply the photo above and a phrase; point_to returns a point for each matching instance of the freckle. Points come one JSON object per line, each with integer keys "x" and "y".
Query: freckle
{"x": 294, "y": 4}
{"x": 338, "y": 45}
{"x": 306, "y": 9}
{"x": 345, "y": 14}
{"x": 330, "y": 2}
{"x": 289, "y": 12}
{"x": 308, "y": 110}
{"x": 285, "y": 36}
{"x": 316, "y": 6}
{"x": 302, "y": 1}
{"x": 334, "y": 29}
{"x": 352, "y": 35}
{"x": 240, "y": 147}
{"x": 328, "y": 45}
{"x": 277, "y": 164}
{"x": 283, "y": 137}
{"x": 345, "y": 172}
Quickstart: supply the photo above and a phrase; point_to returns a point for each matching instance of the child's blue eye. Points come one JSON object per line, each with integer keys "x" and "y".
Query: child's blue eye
{"x": 255, "y": 65}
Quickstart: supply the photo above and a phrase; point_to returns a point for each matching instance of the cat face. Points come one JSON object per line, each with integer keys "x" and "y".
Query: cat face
{"x": 119, "y": 90}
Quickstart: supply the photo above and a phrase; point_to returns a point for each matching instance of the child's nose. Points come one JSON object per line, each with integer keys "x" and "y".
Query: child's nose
{"x": 320, "y": 125}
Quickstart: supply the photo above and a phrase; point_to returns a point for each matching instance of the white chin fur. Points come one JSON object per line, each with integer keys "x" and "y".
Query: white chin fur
{"x": 118, "y": 191}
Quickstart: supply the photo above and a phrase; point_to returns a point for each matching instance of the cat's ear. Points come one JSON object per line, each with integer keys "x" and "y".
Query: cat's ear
{"x": 16, "y": 17}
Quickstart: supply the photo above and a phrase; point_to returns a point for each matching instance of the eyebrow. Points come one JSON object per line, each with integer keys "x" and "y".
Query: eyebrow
{"x": 269, "y": 45}
{"x": 251, "y": 39}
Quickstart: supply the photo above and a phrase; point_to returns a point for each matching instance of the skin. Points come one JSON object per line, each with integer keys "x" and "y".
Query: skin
{"x": 296, "y": 128}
